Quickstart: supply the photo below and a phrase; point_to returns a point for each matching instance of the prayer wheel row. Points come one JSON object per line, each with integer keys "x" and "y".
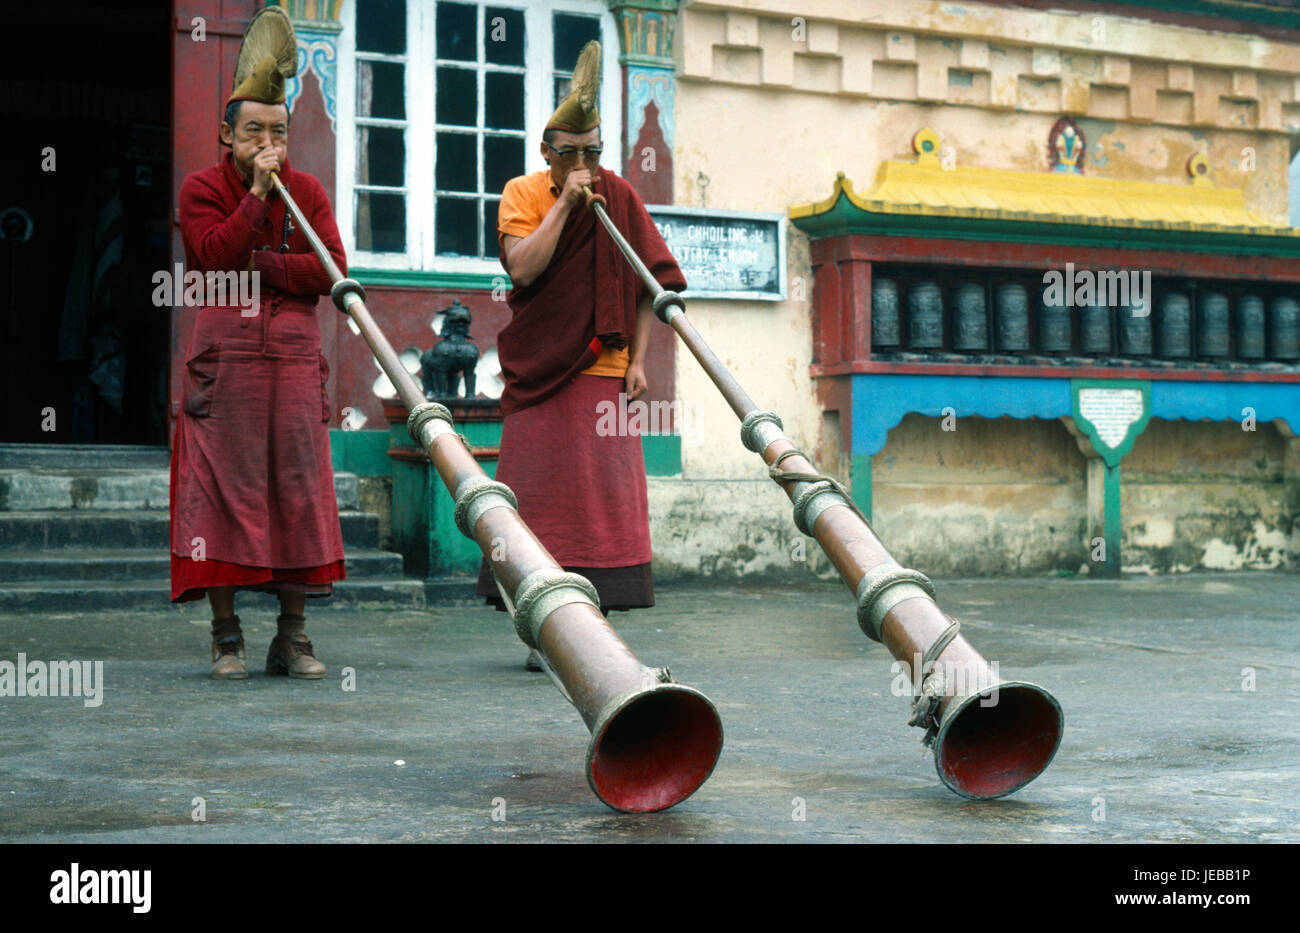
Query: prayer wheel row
{"x": 1167, "y": 333}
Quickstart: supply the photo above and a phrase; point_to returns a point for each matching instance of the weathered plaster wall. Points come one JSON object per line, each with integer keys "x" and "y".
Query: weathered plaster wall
{"x": 765, "y": 120}
{"x": 991, "y": 80}
{"x": 1201, "y": 496}
{"x": 728, "y": 528}
{"x": 993, "y": 497}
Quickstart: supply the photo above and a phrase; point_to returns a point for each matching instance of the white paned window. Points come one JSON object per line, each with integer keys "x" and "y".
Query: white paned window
{"x": 440, "y": 104}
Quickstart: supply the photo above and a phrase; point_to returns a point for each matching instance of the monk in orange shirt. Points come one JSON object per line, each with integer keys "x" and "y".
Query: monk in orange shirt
{"x": 526, "y": 203}
{"x": 576, "y": 344}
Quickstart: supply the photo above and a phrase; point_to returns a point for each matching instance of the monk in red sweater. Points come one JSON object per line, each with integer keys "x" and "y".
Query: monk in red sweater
{"x": 252, "y": 489}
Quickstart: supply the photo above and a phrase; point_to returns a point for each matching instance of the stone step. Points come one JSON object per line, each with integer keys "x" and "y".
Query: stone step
{"x": 454, "y": 591}
{"x": 79, "y": 456}
{"x": 347, "y": 490}
{"x": 132, "y": 528}
{"x": 34, "y": 489}
{"x": 82, "y": 596}
{"x": 149, "y": 565}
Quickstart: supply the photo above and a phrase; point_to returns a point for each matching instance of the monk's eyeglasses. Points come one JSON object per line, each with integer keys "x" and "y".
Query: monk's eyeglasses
{"x": 590, "y": 154}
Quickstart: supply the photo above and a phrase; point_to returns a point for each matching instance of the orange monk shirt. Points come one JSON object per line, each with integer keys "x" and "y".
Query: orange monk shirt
{"x": 524, "y": 204}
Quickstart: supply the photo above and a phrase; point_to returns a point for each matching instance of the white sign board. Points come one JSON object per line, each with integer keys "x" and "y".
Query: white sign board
{"x": 725, "y": 254}
{"x": 1111, "y": 411}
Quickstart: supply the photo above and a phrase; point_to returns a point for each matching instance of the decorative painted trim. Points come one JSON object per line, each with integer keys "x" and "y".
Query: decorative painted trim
{"x": 318, "y": 52}
{"x": 646, "y": 30}
{"x": 403, "y": 278}
{"x": 646, "y": 83}
{"x": 846, "y": 218}
{"x": 1006, "y": 204}
{"x": 1225, "y": 401}
{"x": 1067, "y": 147}
{"x": 881, "y": 401}
{"x": 321, "y": 14}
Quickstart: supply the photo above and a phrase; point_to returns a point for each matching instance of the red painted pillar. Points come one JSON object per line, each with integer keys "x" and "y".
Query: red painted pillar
{"x": 204, "y": 48}
{"x": 841, "y": 302}
{"x": 645, "y": 29}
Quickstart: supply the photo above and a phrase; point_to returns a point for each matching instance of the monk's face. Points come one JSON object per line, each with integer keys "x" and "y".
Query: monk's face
{"x": 257, "y": 127}
{"x": 562, "y": 165}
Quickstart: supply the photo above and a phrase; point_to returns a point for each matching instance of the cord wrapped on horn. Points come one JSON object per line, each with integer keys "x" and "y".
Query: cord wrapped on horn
{"x": 934, "y": 684}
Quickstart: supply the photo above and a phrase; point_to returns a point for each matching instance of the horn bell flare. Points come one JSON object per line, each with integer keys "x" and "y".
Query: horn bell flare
{"x": 986, "y": 750}
{"x": 653, "y": 748}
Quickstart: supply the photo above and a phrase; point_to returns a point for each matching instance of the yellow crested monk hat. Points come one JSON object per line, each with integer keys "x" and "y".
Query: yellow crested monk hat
{"x": 577, "y": 113}
{"x": 268, "y": 57}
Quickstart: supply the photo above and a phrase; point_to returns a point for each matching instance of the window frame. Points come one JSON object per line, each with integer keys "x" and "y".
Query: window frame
{"x": 421, "y": 129}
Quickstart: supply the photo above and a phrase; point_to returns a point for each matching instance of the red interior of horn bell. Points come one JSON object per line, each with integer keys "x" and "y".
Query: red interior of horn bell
{"x": 656, "y": 751}
{"x": 990, "y": 751}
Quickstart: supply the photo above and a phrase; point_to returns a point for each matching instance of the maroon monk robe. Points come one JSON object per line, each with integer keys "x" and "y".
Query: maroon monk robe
{"x": 588, "y": 290}
{"x": 583, "y": 493}
{"x": 252, "y": 486}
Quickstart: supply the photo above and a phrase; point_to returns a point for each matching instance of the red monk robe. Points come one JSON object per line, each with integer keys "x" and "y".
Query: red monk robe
{"x": 252, "y": 486}
{"x": 581, "y": 493}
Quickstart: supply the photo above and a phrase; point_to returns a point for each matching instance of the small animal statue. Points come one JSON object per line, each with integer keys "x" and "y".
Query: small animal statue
{"x": 450, "y": 357}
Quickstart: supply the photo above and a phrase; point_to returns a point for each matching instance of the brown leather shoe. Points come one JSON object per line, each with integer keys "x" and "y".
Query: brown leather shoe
{"x": 293, "y": 656}
{"x": 228, "y": 658}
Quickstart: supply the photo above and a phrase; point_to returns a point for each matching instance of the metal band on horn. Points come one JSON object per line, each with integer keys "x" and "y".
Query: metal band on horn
{"x": 656, "y": 744}
{"x": 474, "y": 496}
{"x": 992, "y": 752}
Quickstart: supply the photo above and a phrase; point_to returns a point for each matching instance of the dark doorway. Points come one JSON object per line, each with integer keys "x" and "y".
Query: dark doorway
{"x": 85, "y": 90}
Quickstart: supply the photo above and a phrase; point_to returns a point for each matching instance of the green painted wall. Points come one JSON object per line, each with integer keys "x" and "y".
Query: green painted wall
{"x": 424, "y": 524}
{"x": 365, "y": 453}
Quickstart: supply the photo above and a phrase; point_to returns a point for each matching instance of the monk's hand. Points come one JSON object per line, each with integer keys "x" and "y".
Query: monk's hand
{"x": 572, "y": 193}
{"x": 264, "y": 163}
{"x": 634, "y": 382}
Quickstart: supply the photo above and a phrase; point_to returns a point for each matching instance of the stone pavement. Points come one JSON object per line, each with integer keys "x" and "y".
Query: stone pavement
{"x": 1162, "y": 741}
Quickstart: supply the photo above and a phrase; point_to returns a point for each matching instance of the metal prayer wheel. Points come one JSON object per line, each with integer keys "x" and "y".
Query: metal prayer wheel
{"x": 1284, "y": 328}
{"x": 1054, "y": 329}
{"x": 1212, "y": 325}
{"x": 1174, "y": 330}
{"x": 1134, "y": 331}
{"x": 884, "y": 313}
{"x": 1011, "y": 316}
{"x": 1250, "y": 327}
{"x": 970, "y": 318}
{"x": 1094, "y": 329}
{"x": 925, "y": 316}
